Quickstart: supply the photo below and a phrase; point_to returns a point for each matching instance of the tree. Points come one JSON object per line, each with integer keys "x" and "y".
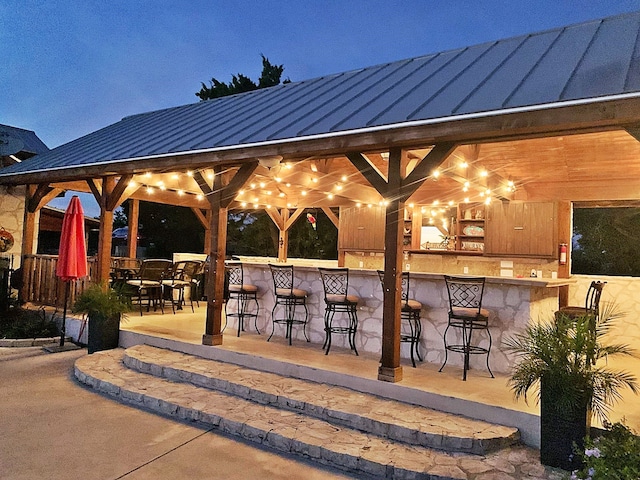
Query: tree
{"x": 270, "y": 77}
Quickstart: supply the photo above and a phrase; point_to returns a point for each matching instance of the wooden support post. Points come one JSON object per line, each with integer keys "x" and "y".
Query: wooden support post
{"x": 283, "y": 240}
{"x": 564, "y": 236}
{"x": 219, "y": 197}
{"x": 105, "y": 240}
{"x": 390, "y": 369}
{"x": 133, "y": 220}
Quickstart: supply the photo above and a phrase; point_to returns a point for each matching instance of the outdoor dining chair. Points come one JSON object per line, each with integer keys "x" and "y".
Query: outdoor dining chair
{"x": 288, "y": 297}
{"x": 148, "y": 283}
{"x": 335, "y": 282}
{"x": 467, "y": 316}
{"x": 179, "y": 278}
{"x": 411, "y": 328}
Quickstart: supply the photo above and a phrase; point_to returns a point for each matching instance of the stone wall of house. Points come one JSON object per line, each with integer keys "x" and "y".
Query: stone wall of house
{"x": 12, "y": 219}
{"x": 512, "y": 306}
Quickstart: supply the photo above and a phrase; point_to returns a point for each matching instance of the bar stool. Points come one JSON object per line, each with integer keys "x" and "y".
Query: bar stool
{"x": 289, "y": 298}
{"x": 591, "y": 303}
{"x": 337, "y": 300}
{"x": 242, "y": 293}
{"x": 466, "y": 313}
{"x": 410, "y": 315}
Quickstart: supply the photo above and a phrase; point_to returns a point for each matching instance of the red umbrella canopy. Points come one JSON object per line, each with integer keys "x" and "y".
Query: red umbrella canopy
{"x": 72, "y": 257}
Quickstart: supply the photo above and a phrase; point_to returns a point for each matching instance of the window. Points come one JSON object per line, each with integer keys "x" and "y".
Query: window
{"x": 606, "y": 240}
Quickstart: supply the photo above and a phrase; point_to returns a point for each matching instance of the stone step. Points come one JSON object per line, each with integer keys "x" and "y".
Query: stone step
{"x": 287, "y": 431}
{"x": 391, "y": 419}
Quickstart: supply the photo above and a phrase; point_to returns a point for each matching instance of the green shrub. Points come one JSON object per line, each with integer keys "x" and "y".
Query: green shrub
{"x": 19, "y": 322}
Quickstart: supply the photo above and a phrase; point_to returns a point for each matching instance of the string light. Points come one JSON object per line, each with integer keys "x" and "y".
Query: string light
{"x": 200, "y": 196}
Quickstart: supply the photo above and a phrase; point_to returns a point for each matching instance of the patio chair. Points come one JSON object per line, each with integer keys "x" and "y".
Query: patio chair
{"x": 179, "y": 278}
{"x": 466, "y": 315}
{"x": 287, "y": 297}
{"x": 411, "y": 331}
{"x": 337, "y": 300}
{"x": 149, "y": 282}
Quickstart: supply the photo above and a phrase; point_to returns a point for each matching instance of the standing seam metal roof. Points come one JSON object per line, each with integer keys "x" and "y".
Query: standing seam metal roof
{"x": 594, "y": 59}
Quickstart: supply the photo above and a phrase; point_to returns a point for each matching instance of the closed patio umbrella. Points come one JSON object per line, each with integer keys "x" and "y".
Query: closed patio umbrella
{"x": 72, "y": 256}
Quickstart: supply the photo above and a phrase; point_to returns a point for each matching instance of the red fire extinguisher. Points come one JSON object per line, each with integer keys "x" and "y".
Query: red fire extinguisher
{"x": 563, "y": 254}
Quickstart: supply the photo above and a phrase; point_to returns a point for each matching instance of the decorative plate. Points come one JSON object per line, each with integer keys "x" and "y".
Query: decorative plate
{"x": 6, "y": 240}
{"x": 473, "y": 231}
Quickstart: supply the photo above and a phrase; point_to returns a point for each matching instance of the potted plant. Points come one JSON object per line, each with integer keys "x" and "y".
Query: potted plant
{"x": 559, "y": 361}
{"x": 104, "y": 307}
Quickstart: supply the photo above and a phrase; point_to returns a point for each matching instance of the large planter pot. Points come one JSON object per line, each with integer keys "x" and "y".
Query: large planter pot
{"x": 104, "y": 333}
{"x": 560, "y": 430}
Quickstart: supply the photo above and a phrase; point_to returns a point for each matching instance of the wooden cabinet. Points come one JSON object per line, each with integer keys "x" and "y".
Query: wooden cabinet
{"x": 521, "y": 229}
{"x": 361, "y": 228}
{"x": 470, "y": 230}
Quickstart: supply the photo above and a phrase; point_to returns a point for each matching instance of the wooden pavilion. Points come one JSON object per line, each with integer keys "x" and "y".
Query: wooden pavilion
{"x": 548, "y": 116}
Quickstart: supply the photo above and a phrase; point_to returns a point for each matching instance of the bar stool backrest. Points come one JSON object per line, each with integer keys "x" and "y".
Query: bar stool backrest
{"x": 234, "y": 273}
{"x": 465, "y": 293}
{"x": 155, "y": 269}
{"x": 336, "y": 283}
{"x": 405, "y": 283}
{"x": 592, "y": 300}
{"x": 282, "y": 279}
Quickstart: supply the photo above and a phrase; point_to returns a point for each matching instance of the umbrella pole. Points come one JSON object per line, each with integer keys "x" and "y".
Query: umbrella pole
{"x": 64, "y": 313}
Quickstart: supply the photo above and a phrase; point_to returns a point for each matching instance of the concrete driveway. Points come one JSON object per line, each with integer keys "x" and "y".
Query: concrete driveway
{"x": 52, "y": 427}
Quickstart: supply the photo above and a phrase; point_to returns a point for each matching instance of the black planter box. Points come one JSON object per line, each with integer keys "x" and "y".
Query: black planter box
{"x": 104, "y": 334}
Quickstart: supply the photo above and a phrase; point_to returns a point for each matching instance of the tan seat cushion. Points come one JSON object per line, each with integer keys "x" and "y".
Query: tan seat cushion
{"x": 342, "y": 299}
{"x": 243, "y": 288}
{"x": 469, "y": 312}
{"x": 411, "y": 305}
{"x": 296, "y": 292}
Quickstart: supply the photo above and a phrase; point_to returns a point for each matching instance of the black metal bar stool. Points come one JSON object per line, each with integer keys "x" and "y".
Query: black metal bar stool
{"x": 410, "y": 316}
{"x": 337, "y": 300}
{"x": 591, "y": 303}
{"x": 466, "y": 313}
{"x": 243, "y": 294}
{"x": 289, "y": 298}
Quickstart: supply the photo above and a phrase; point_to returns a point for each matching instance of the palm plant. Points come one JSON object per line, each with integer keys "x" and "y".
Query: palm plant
{"x": 559, "y": 361}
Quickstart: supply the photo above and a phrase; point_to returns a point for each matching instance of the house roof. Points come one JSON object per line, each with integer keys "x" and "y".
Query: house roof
{"x": 25, "y": 142}
{"x": 594, "y": 61}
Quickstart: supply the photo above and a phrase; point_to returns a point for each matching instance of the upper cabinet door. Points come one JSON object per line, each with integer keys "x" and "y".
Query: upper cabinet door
{"x": 521, "y": 229}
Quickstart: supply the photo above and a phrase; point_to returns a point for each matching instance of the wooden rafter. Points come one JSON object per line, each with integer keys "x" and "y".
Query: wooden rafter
{"x": 40, "y": 196}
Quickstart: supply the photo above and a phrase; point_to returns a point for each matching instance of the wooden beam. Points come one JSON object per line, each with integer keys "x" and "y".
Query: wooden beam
{"x": 423, "y": 169}
{"x": 200, "y": 215}
{"x": 115, "y": 197}
{"x": 237, "y": 182}
{"x": 276, "y": 218}
{"x": 132, "y": 235}
{"x": 95, "y": 189}
{"x": 103, "y": 266}
{"x": 332, "y": 216}
{"x": 293, "y": 218}
{"x": 369, "y": 171}
{"x": 39, "y": 196}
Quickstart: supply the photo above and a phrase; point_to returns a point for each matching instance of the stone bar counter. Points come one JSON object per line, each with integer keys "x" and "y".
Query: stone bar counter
{"x": 512, "y": 302}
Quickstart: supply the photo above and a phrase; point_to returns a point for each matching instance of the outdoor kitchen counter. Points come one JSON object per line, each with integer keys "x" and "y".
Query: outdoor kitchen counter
{"x": 512, "y": 302}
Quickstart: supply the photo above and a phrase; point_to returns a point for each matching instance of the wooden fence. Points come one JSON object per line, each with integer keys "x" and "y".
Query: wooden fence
{"x": 41, "y": 286}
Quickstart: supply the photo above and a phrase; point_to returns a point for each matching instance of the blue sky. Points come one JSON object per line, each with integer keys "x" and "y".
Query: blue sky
{"x": 72, "y": 67}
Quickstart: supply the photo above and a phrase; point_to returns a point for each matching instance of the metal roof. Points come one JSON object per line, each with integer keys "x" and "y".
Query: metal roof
{"x": 596, "y": 59}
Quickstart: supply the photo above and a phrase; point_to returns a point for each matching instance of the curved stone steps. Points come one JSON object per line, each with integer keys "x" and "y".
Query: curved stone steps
{"x": 392, "y": 419}
{"x": 293, "y": 432}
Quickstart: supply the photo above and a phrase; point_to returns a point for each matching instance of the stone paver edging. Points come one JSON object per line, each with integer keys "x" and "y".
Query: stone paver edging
{"x": 295, "y": 433}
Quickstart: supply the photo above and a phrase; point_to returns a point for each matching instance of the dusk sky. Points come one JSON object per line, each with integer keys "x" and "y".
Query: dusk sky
{"x": 72, "y": 67}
